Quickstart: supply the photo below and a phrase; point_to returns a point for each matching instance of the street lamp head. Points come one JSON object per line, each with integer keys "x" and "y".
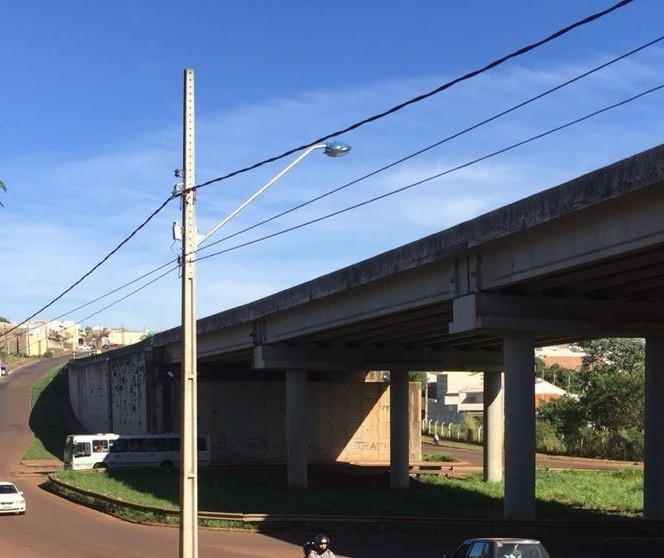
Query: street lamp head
{"x": 336, "y": 149}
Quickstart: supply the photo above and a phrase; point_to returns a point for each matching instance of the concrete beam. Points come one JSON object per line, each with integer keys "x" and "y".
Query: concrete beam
{"x": 500, "y": 313}
{"x": 282, "y": 357}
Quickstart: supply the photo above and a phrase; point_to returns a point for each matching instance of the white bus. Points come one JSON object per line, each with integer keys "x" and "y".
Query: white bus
{"x": 100, "y": 451}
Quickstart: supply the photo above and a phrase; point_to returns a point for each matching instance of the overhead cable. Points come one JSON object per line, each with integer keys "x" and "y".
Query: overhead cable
{"x": 469, "y": 75}
{"x": 433, "y": 177}
{"x": 96, "y": 266}
{"x": 393, "y": 164}
{"x": 378, "y": 116}
{"x": 436, "y": 144}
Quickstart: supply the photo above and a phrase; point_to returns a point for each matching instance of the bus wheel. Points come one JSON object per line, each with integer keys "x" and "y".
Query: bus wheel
{"x": 167, "y": 465}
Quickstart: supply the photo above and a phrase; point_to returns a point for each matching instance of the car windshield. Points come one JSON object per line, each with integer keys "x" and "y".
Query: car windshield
{"x": 7, "y": 489}
{"x": 521, "y": 550}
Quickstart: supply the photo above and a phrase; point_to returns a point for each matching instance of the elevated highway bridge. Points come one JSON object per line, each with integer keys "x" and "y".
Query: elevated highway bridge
{"x": 582, "y": 260}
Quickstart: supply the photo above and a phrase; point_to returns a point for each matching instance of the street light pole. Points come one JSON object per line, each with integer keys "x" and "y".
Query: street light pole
{"x": 188, "y": 376}
{"x": 332, "y": 149}
{"x": 188, "y": 413}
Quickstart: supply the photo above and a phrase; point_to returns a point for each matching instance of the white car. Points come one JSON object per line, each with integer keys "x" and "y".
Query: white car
{"x": 11, "y": 498}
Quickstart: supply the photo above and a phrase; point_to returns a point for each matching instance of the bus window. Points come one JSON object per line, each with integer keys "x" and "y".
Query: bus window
{"x": 174, "y": 444}
{"x": 157, "y": 444}
{"x": 136, "y": 444}
{"x": 119, "y": 446}
{"x": 202, "y": 444}
{"x": 100, "y": 446}
{"x": 82, "y": 449}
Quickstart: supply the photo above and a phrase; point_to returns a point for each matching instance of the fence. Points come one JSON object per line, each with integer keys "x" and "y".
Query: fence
{"x": 452, "y": 431}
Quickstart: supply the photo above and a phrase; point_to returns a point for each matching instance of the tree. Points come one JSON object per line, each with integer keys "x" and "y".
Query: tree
{"x": 612, "y": 381}
{"x": 4, "y": 189}
{"x": 4, "y": 320}
{"x": 605, "y": 419}
{"x": 564, "y": 378}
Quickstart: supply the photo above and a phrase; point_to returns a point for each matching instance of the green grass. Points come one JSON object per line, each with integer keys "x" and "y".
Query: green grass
{"x": 560, "y": 494}
{"x": 443, "y": 457}
{"x": 48, "y": 418}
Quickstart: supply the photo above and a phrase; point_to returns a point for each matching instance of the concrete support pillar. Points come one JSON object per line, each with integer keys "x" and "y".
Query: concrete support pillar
{"x": 297, "y": 429}
{"x": 519, "y": 355}
{"x": 494, "y": 427}
{"x": 399, "y": 427}
{"x": 653, "y": 461}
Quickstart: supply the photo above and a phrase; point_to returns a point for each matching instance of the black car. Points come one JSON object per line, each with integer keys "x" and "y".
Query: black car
{"x": 500, "y": 548}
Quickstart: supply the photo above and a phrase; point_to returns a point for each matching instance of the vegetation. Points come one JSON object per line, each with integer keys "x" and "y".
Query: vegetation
{"x": 49, "y": 419}
{"x": 560, "y": 494}
{"x": 605, "y": 416}
{"x": 439, "y": 457}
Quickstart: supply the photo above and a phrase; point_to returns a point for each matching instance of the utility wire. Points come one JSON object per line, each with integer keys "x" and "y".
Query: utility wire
{"x": 378, "y": 116}
{"x": 433, "y": 177}
{"x": 437, "y": 144}
{"x": 419, "y": 98}
{"x": 103, "y": 296}
{"x": 390, "y": 165}
{"x": 99, "y": 264}
{"x": 167, "y": 272}
{"x": 393, "y": 192}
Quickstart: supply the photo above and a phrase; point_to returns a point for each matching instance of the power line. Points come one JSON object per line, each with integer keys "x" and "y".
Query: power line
{"x": 469, "y": 75}
{"x": 119, "y": 300}
{"x": 101, "y": 297}
{"x": 390, "y": 193}
{"x": 96, "y": 266}
{"x": 438, "y": 143}
{"x": 378, "y": 116}
{"x": 433, "y": 177}
{"x": 144, "y": 286}
{"x": 386, "y": 167}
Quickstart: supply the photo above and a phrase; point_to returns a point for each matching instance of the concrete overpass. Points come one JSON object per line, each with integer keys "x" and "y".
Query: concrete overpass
{"x": 579, "y": 261}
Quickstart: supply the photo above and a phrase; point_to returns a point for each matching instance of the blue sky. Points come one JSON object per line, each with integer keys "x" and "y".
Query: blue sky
{"x": 91, "y": 128}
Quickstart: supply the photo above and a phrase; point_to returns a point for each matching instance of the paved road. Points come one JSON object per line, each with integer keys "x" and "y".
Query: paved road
{"x": 56, "y": 528}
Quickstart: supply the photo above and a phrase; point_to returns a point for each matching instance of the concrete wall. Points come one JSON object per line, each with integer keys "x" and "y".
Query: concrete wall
{"x": 348, "y": 421}
{"x": 89, "y": 395}
{"x": 111, "y": 395}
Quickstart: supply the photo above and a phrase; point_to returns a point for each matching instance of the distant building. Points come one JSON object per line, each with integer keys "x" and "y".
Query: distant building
{"x": 29, "y": 339}
{"x": 456, "y": 394}
{"x": 566, "y": 356}
{"x": 459, "y": 394}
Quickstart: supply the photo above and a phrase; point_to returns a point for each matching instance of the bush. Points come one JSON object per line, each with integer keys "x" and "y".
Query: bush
{"x": 547, "y": 440}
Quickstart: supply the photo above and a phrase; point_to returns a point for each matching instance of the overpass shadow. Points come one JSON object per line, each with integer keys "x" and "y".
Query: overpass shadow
{"x": 52, "y": 417}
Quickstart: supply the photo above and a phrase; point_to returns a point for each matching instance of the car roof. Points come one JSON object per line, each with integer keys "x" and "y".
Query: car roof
{"x": 510, "y": 540}
{"x": 6, "y": 483}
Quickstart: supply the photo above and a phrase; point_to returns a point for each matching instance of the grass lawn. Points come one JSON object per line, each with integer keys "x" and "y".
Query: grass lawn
{"x": 560, "y": 494}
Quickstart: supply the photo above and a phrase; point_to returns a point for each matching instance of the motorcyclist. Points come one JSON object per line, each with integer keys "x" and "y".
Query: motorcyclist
{"x": 321, "y": 547}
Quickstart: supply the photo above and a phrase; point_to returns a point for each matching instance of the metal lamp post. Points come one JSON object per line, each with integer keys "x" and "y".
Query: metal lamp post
{"x": 190, "y": 243}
